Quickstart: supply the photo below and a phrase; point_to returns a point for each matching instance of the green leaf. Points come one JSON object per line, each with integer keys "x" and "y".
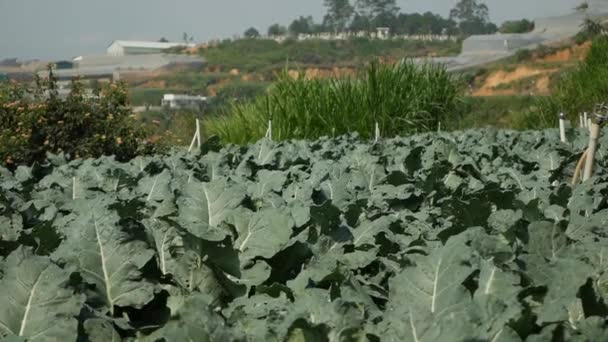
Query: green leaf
{"x": 106, "y": 256}
{"x": 495, "y": 302}
{"x": 561, "y": 291}
{"x": 205, "y": 206}
{"x": 36, "y": 302}
{"x": 594, "y": 329}
{"x": 547, "y": 240}
{"x": 366, "y": 232}
{"x": 11, "y": 227}
{"x": 178, "y": 255}
{"x": 252, "y": 276}
{"x": 263, "y": 233}
{"x": 504, "y": 220}
{"x": 100, "y": 330}
{"x": 431, "y": 290}
{"x": 155, "y": 188}
{"x": 268, "y": 181}
{"x": 195, "y": 320}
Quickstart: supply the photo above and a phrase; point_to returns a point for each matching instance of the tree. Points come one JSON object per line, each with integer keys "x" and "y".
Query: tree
{"x": 470, "y": 10}
{"x": 34, "y": 122}
{"x": 582, "y": 7}
{"x": 302, "y": 25}
{"x": 472, "y": 18}
{"x": 251, "y": 33}
{"x": 277, "y": 30}
{"x": 187, "y": 38}
{"x": 360, "y": 23}
{"x": 163, "y": 40}
{"x": 374, "y": 8}
{"x": 376, "y": 13}
{"x": 339, "y": 14}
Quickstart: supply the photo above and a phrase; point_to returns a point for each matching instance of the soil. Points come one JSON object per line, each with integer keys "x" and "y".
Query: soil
{"x": 502, "y": 77}
{"x": 490, "y": 85}
{"x": 320, "y": 73}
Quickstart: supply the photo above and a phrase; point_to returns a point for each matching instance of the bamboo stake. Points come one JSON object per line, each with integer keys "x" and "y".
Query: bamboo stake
{"x": 562, "y": 128}
{"x": 197, "y": 137}
{"x": 579, "y": 167}
{"x": 269, "y": 130}
{"x": 593, "y": 138}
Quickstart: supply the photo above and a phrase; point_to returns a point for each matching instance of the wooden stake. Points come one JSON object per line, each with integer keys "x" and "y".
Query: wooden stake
{"x": 593, "y": 138}
{"x": 579, "y": 167}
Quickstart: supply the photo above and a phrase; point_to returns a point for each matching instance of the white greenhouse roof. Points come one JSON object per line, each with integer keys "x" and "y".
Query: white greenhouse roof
{"x": 177, "y": 97}
{"x": 148, "y": 45}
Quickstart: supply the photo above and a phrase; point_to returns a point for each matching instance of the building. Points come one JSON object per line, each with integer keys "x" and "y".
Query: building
{"x": 179, "y": 101}
{"x": 383, "y": 32}
{"x": 126, "y": 47}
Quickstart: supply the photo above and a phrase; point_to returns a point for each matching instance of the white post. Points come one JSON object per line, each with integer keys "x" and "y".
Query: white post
{"x": 581, "y": 123}
{"x": 585, "y": 120}
{"x": 562, "y": 128}
{"x": 439, "y": 127}
{"x": 198, "y": 133}
{"x": 73, "y": 188}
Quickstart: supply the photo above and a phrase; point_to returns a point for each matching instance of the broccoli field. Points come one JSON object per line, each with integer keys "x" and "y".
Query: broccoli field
{"x": 463, "y": 236}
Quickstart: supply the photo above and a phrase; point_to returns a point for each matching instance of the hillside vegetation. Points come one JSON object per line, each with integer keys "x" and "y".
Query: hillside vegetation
{"x": 265, "y": 56}
{"x": 576, "y": 90}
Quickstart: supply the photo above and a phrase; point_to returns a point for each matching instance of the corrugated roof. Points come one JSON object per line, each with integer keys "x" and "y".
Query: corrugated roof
{"x": 148, "y": 45}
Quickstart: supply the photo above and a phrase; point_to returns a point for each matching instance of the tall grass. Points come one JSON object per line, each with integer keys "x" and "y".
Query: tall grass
{"x": 402, "y": 98}
{"x": 575, "y": 91}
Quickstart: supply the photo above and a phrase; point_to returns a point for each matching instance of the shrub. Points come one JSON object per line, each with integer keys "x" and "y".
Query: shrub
{"x": 523, "y": 55}
{"x": 576, "y": 91}
{"x": 34, "y": 122}
{"x": 517, "y": 26}
{"x": 403, "y": 98}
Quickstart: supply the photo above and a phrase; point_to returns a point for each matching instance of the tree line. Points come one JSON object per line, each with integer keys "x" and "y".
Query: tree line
{"x": 468, "y": 17}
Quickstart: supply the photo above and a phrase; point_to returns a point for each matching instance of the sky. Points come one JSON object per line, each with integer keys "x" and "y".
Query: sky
{"x": 58, "y": 29}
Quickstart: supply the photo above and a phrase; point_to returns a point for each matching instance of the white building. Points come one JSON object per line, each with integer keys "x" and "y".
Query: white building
{"x": 178, "y": 101}
{"x": 383, "y": 32}
{"x": 125, "y": 47}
